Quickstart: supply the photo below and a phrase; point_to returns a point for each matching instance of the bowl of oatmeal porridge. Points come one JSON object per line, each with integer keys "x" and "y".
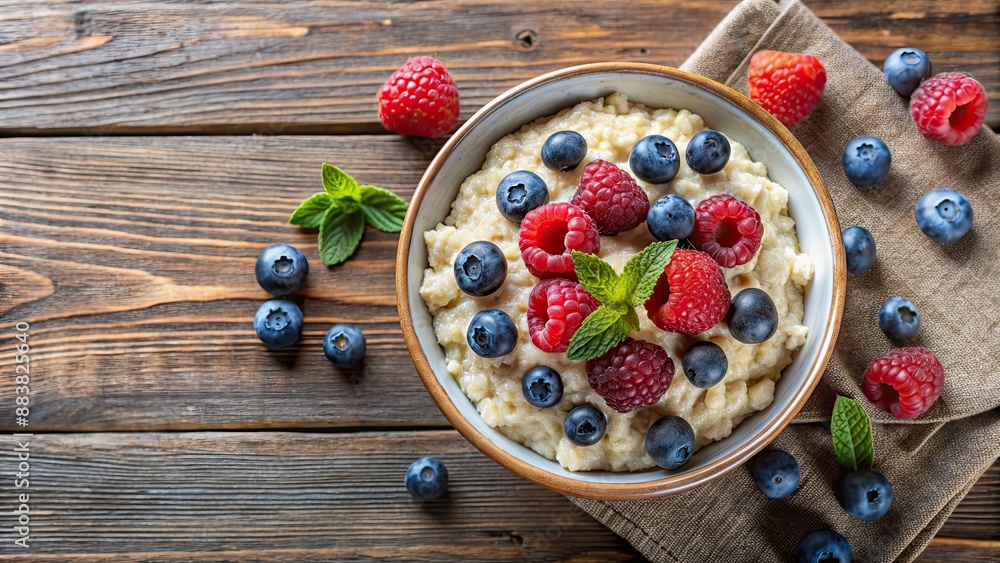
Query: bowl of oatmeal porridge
{"x": 799, "y": 264}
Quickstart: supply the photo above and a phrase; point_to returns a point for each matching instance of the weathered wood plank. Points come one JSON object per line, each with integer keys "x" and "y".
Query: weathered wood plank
{"x": 281, "y": 496}
{"x": 290, "y": 496}
{"x": 132, "y": 260}
{"x": 112, "y": 67}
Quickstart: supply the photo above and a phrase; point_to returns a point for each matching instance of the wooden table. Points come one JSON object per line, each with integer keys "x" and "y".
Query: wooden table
{"x": 154, "y": 148}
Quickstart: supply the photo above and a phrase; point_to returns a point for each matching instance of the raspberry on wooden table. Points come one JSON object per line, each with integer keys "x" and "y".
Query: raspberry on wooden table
{"x": 550, "y": 233}
{"x": 632, "y": 375}
{"x": 611, "y": 197}
{"x": 556, "y": 308}
{"x": 727, "y": 229}
{"x": 419, "y": 99}
{"x": 787, "y": 85}
{"x": 691, "y": 295}
{"x": 949, "y": 107}
{"x": 904, "y": 381}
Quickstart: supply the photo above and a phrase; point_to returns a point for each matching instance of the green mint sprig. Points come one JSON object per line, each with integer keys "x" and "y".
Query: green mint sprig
{"x": 612, "y": 322}
{"x": 341, "y": 210}
{"x": 852, "y": 434}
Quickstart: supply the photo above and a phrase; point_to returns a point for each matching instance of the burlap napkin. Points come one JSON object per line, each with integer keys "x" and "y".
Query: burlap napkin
{"x": 932, "y": 461}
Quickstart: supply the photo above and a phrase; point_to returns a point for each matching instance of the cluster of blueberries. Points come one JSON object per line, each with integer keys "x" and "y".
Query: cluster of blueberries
{"x": 281, "y": 270}
{"x": 481, "y": 268}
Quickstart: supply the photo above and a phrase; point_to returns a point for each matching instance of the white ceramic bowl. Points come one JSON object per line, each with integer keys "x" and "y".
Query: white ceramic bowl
{"x": 723, "y": 109}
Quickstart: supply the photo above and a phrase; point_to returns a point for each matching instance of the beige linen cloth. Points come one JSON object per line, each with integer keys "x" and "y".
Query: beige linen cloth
{"x": 931, "y": 462}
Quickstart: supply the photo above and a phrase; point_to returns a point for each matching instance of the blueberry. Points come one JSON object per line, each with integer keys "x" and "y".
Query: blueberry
{"x": 278, "y": 323}
{"x": 670, "y": 442}
{"x": 585, "y": 425}
{"x": 708, "y": 152}
{"x": 944, "y": 215}
{"x": 859, "y": 246}
{"x": 563, "y": 151}
{"x": 905, "y": 68}
{"x": 492, "y": 334}
{"x": 344, "y": 345}
{"x": 480, "y": 268}
{"x": 865, "y": 494}
{"x": 654, "y": 159}
{"x": 427, "y": 478}
{"x": 670, "y": 218}
{"x": 542, "y": 386}
{"x": 520, "y": 192}
{"x": 866, "y": 161}
{"x": 704, "y": 364}
{"x": 776, "y": 473}
{"x": 753, "y": 318}
{"x": 281, "y": 269}
{"x": 898, "y": 318}
{"x": 823, "y": 546}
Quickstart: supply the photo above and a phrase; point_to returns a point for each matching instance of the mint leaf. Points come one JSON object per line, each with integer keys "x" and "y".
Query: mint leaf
{"x": 852, "y": 434}
{"x": 643, "y": 270}
{"x": 601, "y": 330}
{"x": 339, "y": 234}
{"x": 339, "y": 184}
{"x": 310, "y": 212}
{"x": 383, "y": 209}
{"x": 599, "y": 279}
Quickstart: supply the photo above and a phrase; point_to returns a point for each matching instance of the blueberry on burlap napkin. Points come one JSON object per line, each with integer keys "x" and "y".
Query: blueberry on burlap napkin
{"x": 932, "y": 461}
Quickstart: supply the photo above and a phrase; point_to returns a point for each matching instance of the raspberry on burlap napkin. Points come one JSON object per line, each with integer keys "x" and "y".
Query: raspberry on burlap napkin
{"x": 932, "y": 461}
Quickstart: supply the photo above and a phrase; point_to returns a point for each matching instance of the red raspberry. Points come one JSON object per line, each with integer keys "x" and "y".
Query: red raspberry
{"x": 904, "y": 381}
{"x": 550, "y": 233}
{"x": 609, "y": 195}
{"x": 787, "y": 85}
{"x": 727, "y": 229}
{"x": 632, "y": 375}
{"x": 556, "y": 308}
{"x": 949, "y": 107}
{"x": 691, "y": 295}
{"x": 419, "y": 99}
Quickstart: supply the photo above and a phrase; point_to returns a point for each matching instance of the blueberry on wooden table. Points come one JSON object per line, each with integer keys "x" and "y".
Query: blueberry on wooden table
{"x": 344, "y": 345}
{"x": 426, "y": 478}
{"x": 278, "y": 323}
{"x": 281, "y": 269}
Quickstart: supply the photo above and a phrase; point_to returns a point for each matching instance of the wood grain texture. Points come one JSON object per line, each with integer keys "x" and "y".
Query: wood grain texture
{"x": 116, "y": 67}
{"x": 132, "y": 259}
{"x": 275, "y": 496}
{"x": 285, "y": 496}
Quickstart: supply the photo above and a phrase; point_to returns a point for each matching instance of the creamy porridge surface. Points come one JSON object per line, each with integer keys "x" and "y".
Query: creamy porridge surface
{"x": 611, "y": 127}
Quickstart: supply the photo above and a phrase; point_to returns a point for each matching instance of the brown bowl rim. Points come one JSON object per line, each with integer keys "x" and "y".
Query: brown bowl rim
{"x": 674, "y": 483}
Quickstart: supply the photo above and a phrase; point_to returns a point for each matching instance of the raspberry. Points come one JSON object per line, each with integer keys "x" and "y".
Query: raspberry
{"x": 727, "y": 229}
{"x": 609, "y": 195}
{"x": 949, "y": 107}
{"x": 691, "y": 295}
{"x": 556, "y": 308}
{"x": 550, "y": 233}
{"x": 632, "y": 375}
{"x": 419, "y": 99}
{"x": 787, "y": 85}
{"x": 904, "y": 381}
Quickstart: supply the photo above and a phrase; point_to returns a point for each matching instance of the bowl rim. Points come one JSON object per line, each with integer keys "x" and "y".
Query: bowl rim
{"x": 673, "y": 483}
